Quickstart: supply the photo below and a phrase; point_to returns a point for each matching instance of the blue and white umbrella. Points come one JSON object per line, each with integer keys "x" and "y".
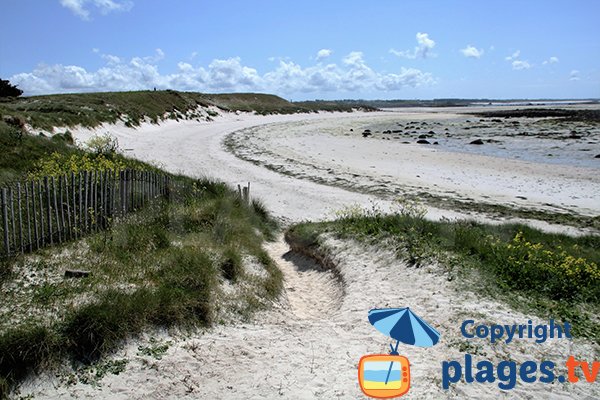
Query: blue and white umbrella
{"x": 405, "y": 326}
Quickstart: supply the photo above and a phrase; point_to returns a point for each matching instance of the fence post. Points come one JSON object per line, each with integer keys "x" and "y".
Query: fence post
{"x": 49, "y": 209}
{"x": 20, "y": 217}
{"x": 94, "y": 201}
{"x": 34, "y": 208}
{"x": 11, "y": 201}
{"x": 42, "y": 225}
{"x": 5, "y": 222}
{"x": 67, "y": 203}
{"x": 80, "y": 222}
{"x": 56, "y": 213}
{"x": 28, "y": 213}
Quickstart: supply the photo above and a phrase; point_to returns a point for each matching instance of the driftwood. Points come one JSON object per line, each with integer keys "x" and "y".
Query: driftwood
{"x": 73, "y": 273}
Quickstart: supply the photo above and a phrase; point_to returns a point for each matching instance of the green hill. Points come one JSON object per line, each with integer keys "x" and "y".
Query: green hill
{"x": 93, "y": 109}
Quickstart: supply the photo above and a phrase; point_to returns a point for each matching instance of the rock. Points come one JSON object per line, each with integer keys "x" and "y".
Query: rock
{"x": 387, "y": 132}
{"x": 397, "y": 131}
{"x": 597, "y": 156}
{"x": 477, "y": 141}
{"x": 351, "y": 130}
{"x": 423, "y": 141}
{"x": 431, "y": 132}
{"x": 574, "y": 135}
{"x": 422, "y": 136}
{"x": 74, "y": 273}
{"x": 366, "y": 134}
{"x": 435, "y": 143}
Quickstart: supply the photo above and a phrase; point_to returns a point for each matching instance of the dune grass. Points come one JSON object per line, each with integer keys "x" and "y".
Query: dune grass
{"x": 160, "y": 267}
{"x": 93, "y": 109}
{"x": 550, "y": 275}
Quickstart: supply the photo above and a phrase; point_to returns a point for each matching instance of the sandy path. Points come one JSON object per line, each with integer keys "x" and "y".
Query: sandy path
{"x": 305, "y": 349}
{"x": 310, "y": 292}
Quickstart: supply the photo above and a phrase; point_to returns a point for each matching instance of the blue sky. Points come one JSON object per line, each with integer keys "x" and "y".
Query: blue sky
{"x": 306, "y": 49}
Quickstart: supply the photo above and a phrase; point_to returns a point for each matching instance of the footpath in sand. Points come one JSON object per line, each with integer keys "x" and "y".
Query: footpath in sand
{"x": 309, "y": 344}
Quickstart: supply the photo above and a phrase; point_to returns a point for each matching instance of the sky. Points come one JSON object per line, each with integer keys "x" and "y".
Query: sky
{"x": 305, "y": 49}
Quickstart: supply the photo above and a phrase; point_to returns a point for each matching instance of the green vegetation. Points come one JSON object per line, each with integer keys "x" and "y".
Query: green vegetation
{"x": 9, "y": 90}
{"x": 33, "y": 156}
{"x": 550, "y": 275}
{"x": 163, "y": 266}
{"x": 93, "y": 109}
{"x": 159, "y": 267}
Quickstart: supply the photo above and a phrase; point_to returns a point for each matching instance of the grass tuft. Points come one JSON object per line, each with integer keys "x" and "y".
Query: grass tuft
{"x": 551, "y": 275}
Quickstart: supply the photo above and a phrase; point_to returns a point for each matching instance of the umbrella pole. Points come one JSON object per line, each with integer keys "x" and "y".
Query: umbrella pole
{"x": 394, "y": 352}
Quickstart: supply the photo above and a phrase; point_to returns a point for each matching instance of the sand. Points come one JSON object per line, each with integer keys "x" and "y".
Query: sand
{"x": 309, "y": 343}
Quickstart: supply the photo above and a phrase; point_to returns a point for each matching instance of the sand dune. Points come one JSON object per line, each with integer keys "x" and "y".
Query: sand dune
{"x": 308, "y": 345}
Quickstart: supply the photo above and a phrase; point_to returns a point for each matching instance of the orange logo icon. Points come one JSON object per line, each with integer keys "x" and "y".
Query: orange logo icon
{"x": 384, "y": 376}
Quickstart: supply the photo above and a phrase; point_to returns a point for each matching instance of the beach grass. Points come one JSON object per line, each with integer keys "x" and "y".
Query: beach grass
{"x": 159, "y": 267}
{"x": 133, "y": 108}
{"x": 549, "y": 275}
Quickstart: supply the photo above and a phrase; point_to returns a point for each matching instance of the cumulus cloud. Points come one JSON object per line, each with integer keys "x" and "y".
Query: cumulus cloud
{"x": 323, "y": 53}
{"x": 551, "y": 60}
{"x": 517, "y": 63}
{"x": 514, "y": 56}
{"x": 520, "y": 65}
{"x": 81, "y": 8}
{"x": 423, "y": 49}
{"x": 472, "y": 52}
{"x": 221, "y": 75}
{"x": 574, "y": 75}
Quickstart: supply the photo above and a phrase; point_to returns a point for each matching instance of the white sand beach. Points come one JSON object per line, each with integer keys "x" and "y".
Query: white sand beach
{"x": 309, "y": 344}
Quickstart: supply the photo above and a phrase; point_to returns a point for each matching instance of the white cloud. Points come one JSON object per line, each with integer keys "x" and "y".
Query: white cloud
{"x": 514, "y": 56}
{"x": 81, "y": 7}
{"x": 323, "y": 53}
{"x": 574, "y": 75}
{"x": 517, "y": 63}
{"x": 472, "y": 52}
{"x": 422, "y": 50}
{"x": 221, "y": 75}
{"x": 551, "y": 60}
{"x": 520, "y": 65}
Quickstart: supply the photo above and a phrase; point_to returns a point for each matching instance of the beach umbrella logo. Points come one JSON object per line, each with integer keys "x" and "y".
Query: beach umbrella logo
{"x": 386, "y": 376}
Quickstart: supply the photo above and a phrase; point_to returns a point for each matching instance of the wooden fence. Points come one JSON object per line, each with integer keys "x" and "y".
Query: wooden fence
{"x": 51, "y": 210}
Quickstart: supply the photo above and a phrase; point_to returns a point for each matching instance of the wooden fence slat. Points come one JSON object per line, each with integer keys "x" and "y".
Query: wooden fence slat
{"x": 61, "y": 201}
{"x": 94, "y": 202}
{"x": 86, "y": 195}
{"x": 12, "y": 217}
{"x": 28, "y": 216}
{"x": 80, "y": 223}
{"x": 34, "y": 208}
{"x": 48, "y": 209}
{"x": 67, "y": 204}
{"x": 56, "y": 213}
{"x": 20, "y": 215}
{"x": 6, "y": 235}
{"x": 122, "y": 192}
{"x": 42, "y": 224}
